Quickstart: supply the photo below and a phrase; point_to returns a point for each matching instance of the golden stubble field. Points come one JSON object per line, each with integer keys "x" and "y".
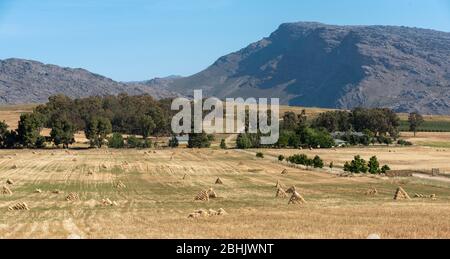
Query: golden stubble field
{"x": 398, "y": 158}
{"x": 157, "y": 200}
{"x": 159, "y": 187}
{"x": 11, "y": 113}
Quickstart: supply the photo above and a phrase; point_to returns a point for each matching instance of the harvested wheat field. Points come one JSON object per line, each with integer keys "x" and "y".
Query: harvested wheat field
{"x": 398, "y": 158}
{"x": 155, "y": 200}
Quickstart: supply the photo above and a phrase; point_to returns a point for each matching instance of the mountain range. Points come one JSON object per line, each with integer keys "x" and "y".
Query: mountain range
{"x": 304, "y": 64}
{"x": 26, "y": 81}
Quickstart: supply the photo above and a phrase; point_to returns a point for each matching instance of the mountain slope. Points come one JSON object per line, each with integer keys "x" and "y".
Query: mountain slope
{"x": 313, "y": 64}
{"x": 25, "y": 81}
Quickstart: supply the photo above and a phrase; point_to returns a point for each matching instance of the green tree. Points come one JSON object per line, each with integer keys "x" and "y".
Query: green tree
{"x": 378, "y": 120}
{"x": 358, "y": 165}
{"x": 40, "y": 142}
{"x": 97, "y": 130}
{"x": 223, "y": 144}
{"x": 259, "y": 155}
{"x": 199, "y": 140}
{"x": 147, "y": 143}
{"x": 309, "y": 162}
{"x": 63, "y": 133}
{"x": 246, "y": 141}
{"x": 173, "y": 142}
{"x": 298, "y": 159}
{"x": 383, "y": 139}
{"x": 333, "y": 121}
{"x": 403, "y": 142}
{"x": 281, "y": 158}
{"x": 28, "y": 131}
{"x": 3, "y": 133}
{"x": 288, "y": 138}
{"x": 133, "y": 142}
{"x": 385, "y": 168}
{"x": 10, "y": 140}
{"x": 316, "y": 138}
{"x": 147, "y": 126}
{"x": 374, "y": 165}
{"x": 129, "y": 115}
{"x": 116, "y": 141}
{"x": 347, "y": 167}
{"x": 294, "y": 140}
{"x": 415, "y": 121}
{"x": 57, "y": 106}
{"x": 283, "y": 140}
{"x": 3, "y": 128}
{"x": 292, "y": 121}
{"x": 368, "y": 138}
{"x": 317, "y": 162}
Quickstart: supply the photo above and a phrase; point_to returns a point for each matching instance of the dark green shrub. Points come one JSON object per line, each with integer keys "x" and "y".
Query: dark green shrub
{"x": 247, "y": 140}
{"x": 316, "y": 138}
{"x": 309, "y": 162}
{"x": 40, "y": 142}
{"x": 317, "y": 162}
{"x": 116, "y": 141}
{"x": 223, "y": 144}
{"x": 298, "y": 159}
{"x": 243, "y": 142}
{"x": 11, "y": 140}
{"x": 374, "y": 165}
{"x": 358, "y": 165}
{"x": 403, "y": 142}
{"x": 173, "y": 142}
{"x": 147, "y": 143}
{"x": 383, "y": 139}
{"x": 385, "y": 168}
{"x": 133, "y": 142}
{"x": 288, "y": 139}
{"x": 199, "y": 140}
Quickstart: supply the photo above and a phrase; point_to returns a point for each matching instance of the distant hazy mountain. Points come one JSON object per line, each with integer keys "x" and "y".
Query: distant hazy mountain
{"x": 25, "y": 81}
{"x": 312, "y": 64}
{"x": 159, "y": 84}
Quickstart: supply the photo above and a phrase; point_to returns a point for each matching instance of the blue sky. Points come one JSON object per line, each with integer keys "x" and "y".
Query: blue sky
{"x": 130, "y": 40}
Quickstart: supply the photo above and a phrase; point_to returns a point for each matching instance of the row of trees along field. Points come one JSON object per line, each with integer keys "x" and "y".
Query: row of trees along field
{"x": 356, "y": 166}
{"x": 98, "y": 117}
{"x": 142, "y": 115}
{"x": 372, "y": 125}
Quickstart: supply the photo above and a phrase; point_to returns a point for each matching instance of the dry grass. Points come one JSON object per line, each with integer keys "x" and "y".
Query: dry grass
{"x": 11, "y": 113}
{"x": 429, "y": 139}
{"x": 404, "y": 116}
{"x": 398, "y": 158}
{"x": 156, "y": 201}
{"x": 151, "y": 200}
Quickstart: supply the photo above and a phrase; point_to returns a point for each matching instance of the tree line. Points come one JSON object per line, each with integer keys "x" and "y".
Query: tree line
{"x": 378, "y": 125}
{"x": 379, "y": 121}
{"x": 96, "y": 116}
{"x": 142, "y": 115}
